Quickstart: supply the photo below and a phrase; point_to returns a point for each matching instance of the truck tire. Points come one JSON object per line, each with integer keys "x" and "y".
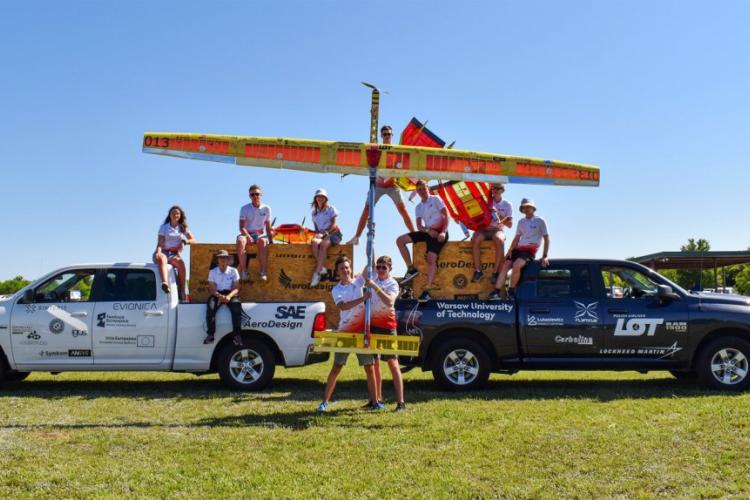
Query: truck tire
{"x": 16, "y": 376}
{"x": 724, "y": 364}
{"x": 460, "y": 365}
{"x": 247, "y": 368}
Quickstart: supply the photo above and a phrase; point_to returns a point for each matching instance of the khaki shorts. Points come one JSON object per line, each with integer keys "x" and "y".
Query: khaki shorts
{"x": 393, "y": 192}
{"x": 340, "y": 358}
{"x": 490, "y": 233}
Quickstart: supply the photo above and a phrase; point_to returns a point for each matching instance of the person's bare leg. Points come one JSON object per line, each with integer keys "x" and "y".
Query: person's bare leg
{"x": 398, "y": 379}
{"x": 405, "y": 215}
{"x": 370, "y": 372}
{"x": 180, "y": 266}
{"x": 322, "y": 254}
{"x": 331, "y": 382}
{"x": 161, "y": 260}
{"x": 401, "y": 243}
{"x": 263, "y": 254}
{"x": 500, "y": 283}
{"x": 314, "y": 244}
{"x": 476, "y": 241}
{"x": 431, "y": 268}
{"x": 499, "y": 240}
{"x": 241, "y": 254}
{"x": 518, "y": 266}
{"x": 378, "y": 380}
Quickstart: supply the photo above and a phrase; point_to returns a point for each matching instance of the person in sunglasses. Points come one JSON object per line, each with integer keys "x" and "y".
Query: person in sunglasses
{"x": 384, "y": 186}
{"x": 255, "y": 218}
{"x": 384, "y": 290}
{"x": 502, "y": 217}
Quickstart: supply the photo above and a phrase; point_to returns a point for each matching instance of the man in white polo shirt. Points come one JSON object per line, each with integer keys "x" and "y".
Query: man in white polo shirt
{"x": 224, "y": 287}
{"x": 255, "y": 218}
{"x": 529, "y": 235}
{"x": 502, "y": 217}
{"x": 432, "y": 228}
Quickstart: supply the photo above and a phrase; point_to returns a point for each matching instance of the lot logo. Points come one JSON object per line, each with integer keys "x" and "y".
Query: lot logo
{"x": 586, "y": 313}
{"x": 294, "y": 312}
{"x": 101, "y": 320}
{"x": 635, "y": 327}
{"x": 56, "y": 326}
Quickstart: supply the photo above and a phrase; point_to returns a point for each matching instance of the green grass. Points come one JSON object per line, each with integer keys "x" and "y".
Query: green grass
{"x": 546, "y": 434}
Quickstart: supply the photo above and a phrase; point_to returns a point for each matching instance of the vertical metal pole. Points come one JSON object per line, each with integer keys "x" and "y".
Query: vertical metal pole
{"x": 373, "y": 160}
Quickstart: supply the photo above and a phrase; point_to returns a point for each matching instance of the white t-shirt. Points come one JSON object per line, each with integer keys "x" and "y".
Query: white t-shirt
{"x": 430, "y": 212}
{"x": 349, "y": 320}
{"x": 173, "y": 236}
{"x": 504, "y": 209}
{"x": 531, "y": 231}
{"x": 382, "y": 315}
{"x": 225, "y": 280}
{"x": 324, "y": 218}
{"x": 254, "y": 219}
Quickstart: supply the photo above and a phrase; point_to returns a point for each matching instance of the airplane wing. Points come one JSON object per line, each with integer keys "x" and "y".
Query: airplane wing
{"x": 351, "y": 158}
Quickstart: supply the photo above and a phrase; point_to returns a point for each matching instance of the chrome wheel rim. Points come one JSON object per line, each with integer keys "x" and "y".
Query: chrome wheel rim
{"x": 246, "y": 366}
{"x": 729, "y": 366}
{"x": 461, "y": 367}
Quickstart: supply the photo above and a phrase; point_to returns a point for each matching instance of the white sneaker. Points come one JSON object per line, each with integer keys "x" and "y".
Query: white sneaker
{"x": 353, "y": 241}
{"x": 323, "y": 272}
{"x": 263, "y": 276}
{"x": 315, "y": 279}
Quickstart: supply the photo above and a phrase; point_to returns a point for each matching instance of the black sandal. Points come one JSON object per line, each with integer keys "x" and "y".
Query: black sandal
{"x": 165, "y": 287}
{"x": 209, "y": 340}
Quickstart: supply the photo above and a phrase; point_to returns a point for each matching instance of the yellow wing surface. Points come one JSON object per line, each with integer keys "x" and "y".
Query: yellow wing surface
{"x": 351, "y": 158}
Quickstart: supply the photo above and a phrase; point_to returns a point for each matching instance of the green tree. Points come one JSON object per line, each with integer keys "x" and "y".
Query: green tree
{"x": 690, "y": 278}
{"x": 742, "y": 281}
{"x": 12, "y": 285}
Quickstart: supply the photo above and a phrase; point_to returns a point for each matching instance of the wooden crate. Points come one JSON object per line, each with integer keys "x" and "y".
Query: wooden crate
{"x": 455, "y": 267}
{"x": 290, "y": 268}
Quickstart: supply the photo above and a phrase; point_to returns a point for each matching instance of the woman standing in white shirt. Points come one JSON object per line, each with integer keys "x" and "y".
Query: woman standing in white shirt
{"x": 173, "y": 235}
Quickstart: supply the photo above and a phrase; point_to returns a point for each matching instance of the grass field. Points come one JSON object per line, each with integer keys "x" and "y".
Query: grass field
{"x": 531, "y": 435}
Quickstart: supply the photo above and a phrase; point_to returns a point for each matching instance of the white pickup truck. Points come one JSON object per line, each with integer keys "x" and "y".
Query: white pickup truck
{"x": 114, "y": 317}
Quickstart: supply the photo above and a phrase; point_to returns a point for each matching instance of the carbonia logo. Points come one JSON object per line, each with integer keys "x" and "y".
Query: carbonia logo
{"x": 586, "y": 313}
{"x": 635, "y": 327}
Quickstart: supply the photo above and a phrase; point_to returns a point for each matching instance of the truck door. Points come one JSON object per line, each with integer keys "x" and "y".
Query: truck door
{"x": 637, "y": 324}
{"x": 559, "y": 315}
{"x": 130, "y": 326}
{"x": 54, "y": 328}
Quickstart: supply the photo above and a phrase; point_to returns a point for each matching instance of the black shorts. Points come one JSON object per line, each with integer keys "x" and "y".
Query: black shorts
{"x": 433, "y": 245}
{"x": 521, "y": 254}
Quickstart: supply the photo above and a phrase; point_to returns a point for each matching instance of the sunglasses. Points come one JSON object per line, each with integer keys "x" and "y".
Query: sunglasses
{"x": 254, "y": 194}
{"x": 381, "y": 268}
{"x": 385, "y": 134}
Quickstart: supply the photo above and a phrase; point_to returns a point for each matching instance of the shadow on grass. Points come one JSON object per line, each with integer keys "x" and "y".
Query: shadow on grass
{"x": 294, "y": 389}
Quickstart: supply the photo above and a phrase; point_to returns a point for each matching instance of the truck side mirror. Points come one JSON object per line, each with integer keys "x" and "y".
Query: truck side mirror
{"x": 28, "y": 296}
{"x": 666, "y": 294}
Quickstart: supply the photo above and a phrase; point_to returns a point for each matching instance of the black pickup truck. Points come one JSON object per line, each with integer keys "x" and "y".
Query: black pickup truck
{"x": 584, "y": 314}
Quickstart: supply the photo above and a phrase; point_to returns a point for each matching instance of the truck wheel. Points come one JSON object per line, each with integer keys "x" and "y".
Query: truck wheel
{"x": 16, "y": 376}
{"x": 247, "y": 368}
{"x": 725, "y": 364}
{"x": 460, "y": 365}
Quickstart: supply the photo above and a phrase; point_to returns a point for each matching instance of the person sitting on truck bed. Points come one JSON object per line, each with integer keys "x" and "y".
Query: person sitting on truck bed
{"x": 224, "y": 287}
{"x": 432, "y": 228}
{"x": 327, "y": 232}
{"x": 350, "y": 297}
{"x": 384, "y": 186}
{"x": 529, "y": 234}
{"x": 255, "y": 218}
{"x": 173, "y": 235}
{"x": 383, "y": 320}
{"x": 502, "y": 216}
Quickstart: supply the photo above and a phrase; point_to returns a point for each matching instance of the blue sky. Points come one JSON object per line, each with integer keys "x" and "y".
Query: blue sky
{"x": 655, "y": 93}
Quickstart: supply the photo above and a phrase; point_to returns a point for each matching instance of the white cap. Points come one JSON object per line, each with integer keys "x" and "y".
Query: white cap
{"x": 322, "y": 192}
